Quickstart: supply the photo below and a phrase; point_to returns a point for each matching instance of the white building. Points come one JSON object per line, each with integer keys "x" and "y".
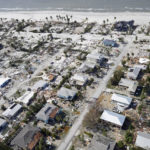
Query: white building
{"x": 40, "y": 85}
{"x": 80, "y": 79}
{"x": 12, "y": 111}
{"x": 133, "y": 73}
{"x": 66, "y": 93}
{"x": 26, "y": 98}
{"x": 129, "y": 84}
{"x": 113, "y": 118}
{"x": 144, "y": 60}
{"x": 122, "y": 101}
{"x": 4, "y": 81}
{"x": 95, "y": 57}
{"x": 143, "y": 140}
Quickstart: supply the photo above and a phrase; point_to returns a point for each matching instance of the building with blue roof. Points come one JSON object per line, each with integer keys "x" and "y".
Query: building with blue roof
{"x": 111, "y": 43}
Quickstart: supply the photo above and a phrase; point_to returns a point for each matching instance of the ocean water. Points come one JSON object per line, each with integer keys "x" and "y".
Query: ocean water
{"x": 77, "y": 5}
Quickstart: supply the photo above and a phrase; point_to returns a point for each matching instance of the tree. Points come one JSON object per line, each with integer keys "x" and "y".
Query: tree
{"x": 123, "y": 63}
{"x": 72, "y": 147}
{"x": 132, "y": 54}
{"x": 3, "y": 107}
{"x": 136, "y": 38}
{"x": 120, "y": 144}
{"x": 91, "y": 120}
{"x": 118, "y": 74}
{"x": 129, "y": 137}
{"x": 4, "y": 147}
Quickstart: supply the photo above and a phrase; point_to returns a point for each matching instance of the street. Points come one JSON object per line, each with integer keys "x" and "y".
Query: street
{"x": 76, "y": 126}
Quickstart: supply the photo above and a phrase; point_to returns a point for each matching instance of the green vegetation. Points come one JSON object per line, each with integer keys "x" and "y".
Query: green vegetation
{"x": 4, "y": 147}
{"x": 33, "y": 109}
{"x": 129, "y": 137}
{"x": 118, "y": 74}
{"x": 65, "y": 79}
{"x": 120, "y": 145}
{"x": 89, "y": 134}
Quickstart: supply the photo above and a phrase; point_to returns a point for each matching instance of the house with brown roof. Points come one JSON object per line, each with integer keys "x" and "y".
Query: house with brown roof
{"x": 47, "y": 113}
{"x": 27, "y": 138}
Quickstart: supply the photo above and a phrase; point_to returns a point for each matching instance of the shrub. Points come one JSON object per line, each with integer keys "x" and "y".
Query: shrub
{"x": 129, "y": 137}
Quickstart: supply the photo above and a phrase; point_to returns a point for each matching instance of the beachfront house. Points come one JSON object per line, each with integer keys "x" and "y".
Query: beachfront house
{"x": 123, "y": 102}
{"x": 48, "y": 113}
{"x": 124, "y": 25}
{"x": 66, "y": 93}
{"x": 4, "y": 81}
{"x": 27, "y": 138}
{"x": 113, "y": 118}
{"x": 143, "y": 140}
{"x": 133, "y": 73}
{"x": 110, "y": 43}
{"x": 129, "y": 85}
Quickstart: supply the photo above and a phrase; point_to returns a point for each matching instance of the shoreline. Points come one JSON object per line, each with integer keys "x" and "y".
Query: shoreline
{"x": 80, "y": 16}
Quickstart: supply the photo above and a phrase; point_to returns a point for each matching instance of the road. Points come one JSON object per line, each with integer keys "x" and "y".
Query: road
{"x": 76, "y": 126}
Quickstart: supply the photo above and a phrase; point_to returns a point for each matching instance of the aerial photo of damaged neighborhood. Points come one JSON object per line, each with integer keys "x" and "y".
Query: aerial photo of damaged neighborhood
{"x": 75, "y": 82}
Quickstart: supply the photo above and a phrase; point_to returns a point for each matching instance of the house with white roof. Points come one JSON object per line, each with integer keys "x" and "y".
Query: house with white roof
{"x": 80, "y": 79}
{"x": 26, "y": 98}
{"x": 95, "y": 57}
{"x": 122, "y": 101}
{"x": 40, "y": 85}
{"x": 128, "y": 84}
{"x": 143, "y": 140}
{"x": 66, "y": 93}
{"x": 12, "y": 111}
{"x": 86, "y": 65}
{"x": 144, "y": 60}
{"x": 113, "y": 118}
{"x": 4, "y": 81}
{"x": 142, "y": 66}
{"x": 133, "y": 73}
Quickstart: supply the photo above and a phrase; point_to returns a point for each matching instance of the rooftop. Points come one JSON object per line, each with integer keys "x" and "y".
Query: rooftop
{"x": 39, "y": 84}
{"x": 113, "y": 117}
{"x": 101, "y": 142}
{"x": 45, "y": 112}
{"x": 26, "y": 136}
{"x": 80, "y": 77}
{"x": 132, "y": 85}
{"x": 66, "y": 93}
{"x": 12, "y": 110}
{"x": 133, "y": 72}
{"x": 143, "y": 140}
{"x": 95, "y": 56}
{"x": 121, "y": 99}
{"x": 110, "y": 43}
{"x": 144, "y": 60}
{"x": 26, "y": 97}
{"x": 3, "y": 80}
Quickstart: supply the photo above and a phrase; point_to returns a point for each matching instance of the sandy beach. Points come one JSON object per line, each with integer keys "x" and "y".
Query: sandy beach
{"x": 139, "y": 18}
